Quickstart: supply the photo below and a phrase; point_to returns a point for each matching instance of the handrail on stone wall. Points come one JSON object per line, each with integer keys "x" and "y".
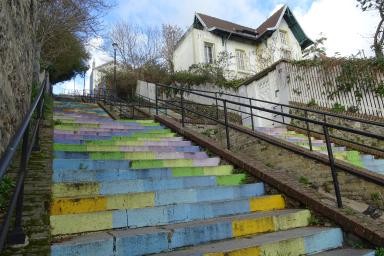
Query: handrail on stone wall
{"x": 17, "y": 235}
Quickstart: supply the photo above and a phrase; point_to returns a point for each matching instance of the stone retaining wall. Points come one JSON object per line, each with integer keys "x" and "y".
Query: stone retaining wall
{"x": 17, "y": 32}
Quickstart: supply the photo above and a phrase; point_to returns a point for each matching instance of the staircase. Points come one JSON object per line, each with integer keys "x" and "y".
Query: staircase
{"x": 353, "y": 157}
{"x": 133, "y": 187}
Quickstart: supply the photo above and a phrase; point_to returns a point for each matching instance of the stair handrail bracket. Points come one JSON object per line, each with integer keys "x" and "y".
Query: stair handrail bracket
{"x": 28, "y": 138}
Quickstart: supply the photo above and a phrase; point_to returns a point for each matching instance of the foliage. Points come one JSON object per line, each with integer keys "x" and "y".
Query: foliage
{"x": 312, "y": 103}
{"x": 352, "y": 76}
{"x": 67, "y": 63}
{"x": 6, "y": 186}
{"x": 338, "y": 108}
{"x": 64, "y": 28}
{"x": 304, "y": 180}
{"x": 317, "y": 48}
{"x": 378, "y": 38}
{"x": 379, "y": 251}
{"x": 314, "y": 221}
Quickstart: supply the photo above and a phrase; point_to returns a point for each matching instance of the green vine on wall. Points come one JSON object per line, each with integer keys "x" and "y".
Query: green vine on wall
{"x": 357, "y": 76}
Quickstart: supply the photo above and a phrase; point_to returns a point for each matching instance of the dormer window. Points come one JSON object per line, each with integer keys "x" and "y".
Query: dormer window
{"x": 208, "y": 53}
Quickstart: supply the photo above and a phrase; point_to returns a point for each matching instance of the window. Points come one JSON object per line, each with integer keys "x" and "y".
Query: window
{"x": 286, "y": 54}
{"x": 208, "y": 53}
{"x": 283, "y": 37}
{"x": 240, "y": 59}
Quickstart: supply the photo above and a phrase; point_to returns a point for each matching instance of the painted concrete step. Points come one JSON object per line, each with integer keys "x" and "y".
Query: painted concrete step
{"x": 148, "y": 164}
{"x": 151, "y": 129}
{"x": 147, "y": 132}
{"x": 144, "y": 155}
{"x": 119, "y": 141}
{"x": 161, "y": 215}
{"x": 76, "y": 140}
{"x": 86, "y": 164}
{"x": 110, "y": 127}
{"x": 347, "y": 252}
{"x": 101, "y": 172}
{"x": 116, "y": 135}
{"x": 142, "y": 185}
{"x": 294, "y": 242}
{"x": 122, "y": 149}
{"x": 143, "y": 241}
{"x": 74, "y": 205}
{"x": 140, "y": 146}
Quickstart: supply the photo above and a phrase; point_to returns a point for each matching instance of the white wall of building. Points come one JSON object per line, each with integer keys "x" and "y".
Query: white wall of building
{"x": 271, "y": 87}
{"x": 191, "y": 51}
{"x": 257, "y": 56}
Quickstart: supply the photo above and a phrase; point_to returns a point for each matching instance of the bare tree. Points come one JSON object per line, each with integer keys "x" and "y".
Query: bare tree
{"x": 378, "y": 39}
{"x": 171, "y": 34}
{"x": 136, "y": 45}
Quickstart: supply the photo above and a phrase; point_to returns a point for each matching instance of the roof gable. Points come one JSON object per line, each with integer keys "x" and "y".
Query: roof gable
{"x": 212, "y": 22}
{"x": 265, "y": 30}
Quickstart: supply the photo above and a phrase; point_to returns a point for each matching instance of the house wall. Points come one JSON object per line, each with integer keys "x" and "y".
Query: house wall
{"x": 270, "y": 87}
{"x": 184, "y": 55}
{"x": 272, "y": 50}
{"x": 191, "y": 51}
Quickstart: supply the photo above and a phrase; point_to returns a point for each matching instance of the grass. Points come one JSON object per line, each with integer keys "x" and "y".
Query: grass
{"x": 314, "y": 221}
{"x": 6, "y": 186}
{"x": 304, "y": 180}
{"x": 379, "y": 251}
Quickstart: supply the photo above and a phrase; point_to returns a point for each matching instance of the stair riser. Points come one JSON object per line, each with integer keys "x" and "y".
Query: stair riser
{"x": 93, "y": 147}
{"x": 107, "y": 141}
{"x": 139, "y": 132}
{"x": 77, "y": 140}
{"x": 142, "y": 185}
{"x": 153, "y": 216}
{"x": 63, "y": 206}
{"x": 110, "y": 175}
{"x": 132, "y": 155}
{"x": 75, "y": 164}
{"x": 156, "y": 149}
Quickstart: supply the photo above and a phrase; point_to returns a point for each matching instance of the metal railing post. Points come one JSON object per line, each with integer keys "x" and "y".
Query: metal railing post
{"x": 282, "y": 111}
{"x": 217, "y": 107}
{"x": 308, "y": 132}
{"x": 333, "y": 168}
{"x": 182, "y": 107}
{"x": 156, "y": 100}
{"x": 251, "y": 110}
{"x": 226, "y": 124}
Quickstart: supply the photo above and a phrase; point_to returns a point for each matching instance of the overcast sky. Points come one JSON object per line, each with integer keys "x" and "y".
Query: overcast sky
{"x": 347, "y": 28}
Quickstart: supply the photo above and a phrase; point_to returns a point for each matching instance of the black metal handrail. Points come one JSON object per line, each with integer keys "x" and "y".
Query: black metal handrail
{"x": 281, "y": 105}
{"x": 182, "y": 105}
{"x": 17, "y": 235}
{"x": 325, "y": 125}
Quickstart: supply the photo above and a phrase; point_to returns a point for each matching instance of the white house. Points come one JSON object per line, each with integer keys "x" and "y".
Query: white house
{"x": 97, "y": 80}
{"x": 250, "y": 49}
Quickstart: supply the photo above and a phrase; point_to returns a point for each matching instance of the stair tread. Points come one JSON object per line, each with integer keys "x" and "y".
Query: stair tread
{"x": 347, "y": 252}
{"x": 248, "y": 242}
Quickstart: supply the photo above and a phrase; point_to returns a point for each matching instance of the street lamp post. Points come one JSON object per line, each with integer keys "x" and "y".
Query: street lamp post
{"x": 84, "y": 85}
{"x": 114, "y": 89}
